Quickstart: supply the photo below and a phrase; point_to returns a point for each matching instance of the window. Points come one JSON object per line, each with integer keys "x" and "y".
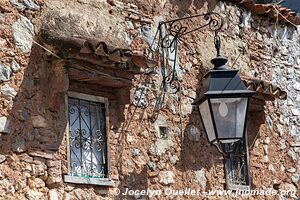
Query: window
{"x": 87, "y": 139}
{"x": 237, "y": 168}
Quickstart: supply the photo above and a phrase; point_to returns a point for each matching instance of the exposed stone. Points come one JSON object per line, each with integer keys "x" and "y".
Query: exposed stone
{"x": 53, "y": 195}
{"x": 269, "y": 122}
{"x": 39, "y": 122}
{"x": 33, "y": 195}
{"x": 200, "y": 177}
{"x": 24, "y": 4}
{"x": 15, "y": 66}
{"x": 291, "y": 170}
{"x": 5, "y": 73}
{"x": 2, "y": 158}
{"x": 173, "y": 159}
{"x": 151, "y": 165}
{"x": 293, "y": 155}
{"x": 38, "y": 183}
{"x": 282, "y": 144}
{"x": 19, "y": 145}
{"x": 295, "y": 112}
{"x": 194, "y": 133}
{"x": 8, "y": 91}
{"x": 47, "y": 155}
{"x": 160, "y": 147}
{"x": 295, "y": 178}
{"x": 39, "y": 170}
{"x": 23, "y": 32}
{"x": 140, "y": 97}
{"x": 4, "y": 125}
{"x": 271, "y": 168}
{"x": 297, "y": 86}
{"x": 147, "y": 34}
{"x": 166, "y": 177}
{"x": 135, "y": 152}
{"x": 54, "y": 174}
{"x": 20, "y": 185}
{"x": 280, "y": 129}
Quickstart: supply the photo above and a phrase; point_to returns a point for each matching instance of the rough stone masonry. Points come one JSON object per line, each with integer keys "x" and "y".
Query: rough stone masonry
{"x": 33, "y": 156}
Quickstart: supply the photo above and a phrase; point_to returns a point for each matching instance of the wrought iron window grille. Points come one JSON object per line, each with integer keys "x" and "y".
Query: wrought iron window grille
{"x": 237, "y": 167}
{"x": 87, "y": 138}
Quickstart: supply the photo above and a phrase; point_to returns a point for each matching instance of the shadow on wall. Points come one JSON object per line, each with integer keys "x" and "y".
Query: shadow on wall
{"x": 35, "y": 129}
{"x": 38, "y": 121}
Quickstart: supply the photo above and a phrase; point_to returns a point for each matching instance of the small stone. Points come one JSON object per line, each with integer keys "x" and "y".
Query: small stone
{"x": 53, "y": 195}
{"x": 295, "y": 178}
{"x": 147, "y": 34}
{"x": 173, "y": 159}
{"x": 200, "y": 177}
{"x": 282, "y": 144}
{"x": 39, "y": 122}
{"x": 293, "y": 155}
{"x": 297, "y": 86}
{"x": 265, "y": 147}
{"x": 194, "y": 133}
{"x": 280, "y": 129}
{"x": 167, "y": 177}
{"x": 271, "y": 168}
{"x": 295, "y": 112}
{"x": 151, "y": 165}
{"x": 135, "y": 152}
{"x": 33, "y": 195}
{"x": 8, "y": 91}
{"x": 4, "y": 125}
{"x": 39, "y": 183}
{"x": 195, "y": 61}
{"x": 295, "y": 144}
{"x": 2, "y": 158}
{"x": 269, "y": 122}
{"x": 15, "y": 66}
{"x": 23, "y": 32}
{"x": 19, "y": 145}
{"x": 47, "y": 155}
{"x": 5, "y": 73}
{"x": 265, "y": 159}
{"x": 188, "y": 67}
{"x": 30, "y": 4}
{"x": 267, "y": 140}
{"x": 291, "y": 170}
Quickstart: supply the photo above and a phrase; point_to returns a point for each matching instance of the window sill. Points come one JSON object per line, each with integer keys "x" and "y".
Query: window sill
{"x": 89, "y": 181}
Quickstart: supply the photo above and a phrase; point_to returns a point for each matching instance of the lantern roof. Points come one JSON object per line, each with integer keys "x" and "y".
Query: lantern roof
{"x": 222, "y": 82}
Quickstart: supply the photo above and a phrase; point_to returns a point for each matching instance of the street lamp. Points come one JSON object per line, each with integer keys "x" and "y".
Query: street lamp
{"x": 223, "y": 104}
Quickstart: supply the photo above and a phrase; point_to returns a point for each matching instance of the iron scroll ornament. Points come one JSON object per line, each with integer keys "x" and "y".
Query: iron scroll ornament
{"x": 165, "y": 46}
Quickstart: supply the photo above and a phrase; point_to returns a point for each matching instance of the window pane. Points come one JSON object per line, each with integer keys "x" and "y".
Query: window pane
{"x": 229, "y": 115}
{"x": 87, "y": 138}
{"x": 206, "y": 118}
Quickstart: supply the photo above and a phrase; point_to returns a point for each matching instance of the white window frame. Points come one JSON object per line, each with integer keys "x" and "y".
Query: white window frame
{"x": 87, "y": 180}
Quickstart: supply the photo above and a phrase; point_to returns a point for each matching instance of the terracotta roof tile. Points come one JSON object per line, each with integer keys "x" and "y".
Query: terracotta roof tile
{"x": 263, "y": 88}
{"x": 270, "y": 11}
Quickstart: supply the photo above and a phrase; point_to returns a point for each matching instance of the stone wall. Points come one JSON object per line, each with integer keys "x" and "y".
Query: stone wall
{"x": 33, "y": 156}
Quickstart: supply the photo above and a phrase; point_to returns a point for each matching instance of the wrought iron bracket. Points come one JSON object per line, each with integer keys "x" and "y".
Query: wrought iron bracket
{"x": 165, "y": 46}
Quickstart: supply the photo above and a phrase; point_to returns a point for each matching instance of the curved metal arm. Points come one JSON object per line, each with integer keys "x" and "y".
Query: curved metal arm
{"x": 165, "y": 45}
